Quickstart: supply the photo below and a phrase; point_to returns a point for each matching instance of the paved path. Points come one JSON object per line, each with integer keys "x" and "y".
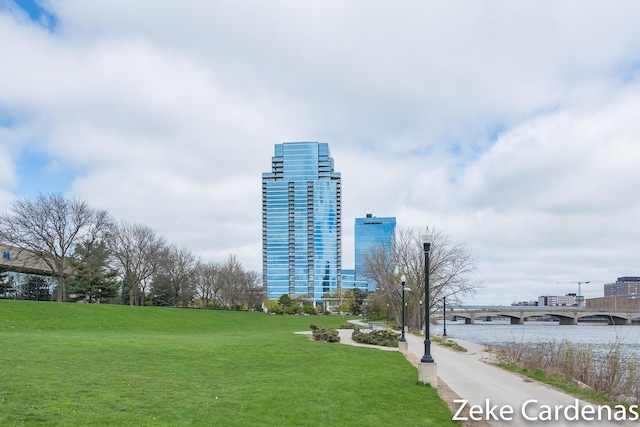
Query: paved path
{"x": 480, "y": 383}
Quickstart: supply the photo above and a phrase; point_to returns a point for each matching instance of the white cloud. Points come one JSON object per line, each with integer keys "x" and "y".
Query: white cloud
{"x": 510, "y": 127}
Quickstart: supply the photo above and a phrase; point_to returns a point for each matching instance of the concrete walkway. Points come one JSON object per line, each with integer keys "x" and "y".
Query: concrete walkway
{"x": 471, "y": 378}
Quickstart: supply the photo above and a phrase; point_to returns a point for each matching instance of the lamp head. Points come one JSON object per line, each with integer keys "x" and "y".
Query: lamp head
{"x": 403, "y": 279}
{"x": 427, "y": 239}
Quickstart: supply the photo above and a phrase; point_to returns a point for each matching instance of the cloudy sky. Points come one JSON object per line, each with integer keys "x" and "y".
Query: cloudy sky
{"x": 507, "y": 125}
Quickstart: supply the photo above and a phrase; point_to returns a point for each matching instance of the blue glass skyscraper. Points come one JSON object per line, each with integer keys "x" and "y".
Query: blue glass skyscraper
{"x": 371, "y": 233}
{"x": 301, "y": 222}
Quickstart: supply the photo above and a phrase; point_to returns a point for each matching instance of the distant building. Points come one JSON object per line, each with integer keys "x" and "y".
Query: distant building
{"x": 531, "y": 303}
{"x": 23, "y": 261}
{"x": 350, "y": 281}
{"x": 568, "y": 300}
{"x": 372, "y": 233}
{"x": 24, "y": 275}
{"x": 627, "y": 285}
{"x": 301, "y": 222}
{"x": 622, "y": 302}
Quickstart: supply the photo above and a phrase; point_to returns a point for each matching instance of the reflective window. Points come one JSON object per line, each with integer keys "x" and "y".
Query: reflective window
{"x": 301, "y": 221}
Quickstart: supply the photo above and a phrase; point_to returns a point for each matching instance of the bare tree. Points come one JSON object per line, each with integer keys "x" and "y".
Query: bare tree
{"x": 207, "y": 284}
{"x": 451, "y": 272}
{"x": 227, "y": 285}
{"x": 239, "y": 287}
{"x": 230, "y": 282}
{"x": 252, "y": 286}
{"x": 174, "y": 281}
{"x": 48, "y": 228}
{"x": 136, "y": 250}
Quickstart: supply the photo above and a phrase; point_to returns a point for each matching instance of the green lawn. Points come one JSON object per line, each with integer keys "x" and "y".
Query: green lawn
{"x": 75, "y": 364}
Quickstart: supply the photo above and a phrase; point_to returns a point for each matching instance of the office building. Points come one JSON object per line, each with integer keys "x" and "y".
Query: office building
{"x": 568, "y": 300}
{"x": 627, "y": 285}
{"x": 372, "y": 234}
{"x": 301, "y": 222}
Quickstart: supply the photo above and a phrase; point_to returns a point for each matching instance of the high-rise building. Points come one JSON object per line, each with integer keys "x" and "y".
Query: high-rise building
{"x": 372, "y": 233}
{"x": 301, "y": 222}
{"x": 627, "y": 285}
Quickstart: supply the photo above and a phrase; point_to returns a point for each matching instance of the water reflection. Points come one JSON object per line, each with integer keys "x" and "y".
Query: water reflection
{"x": 500, "y": 332}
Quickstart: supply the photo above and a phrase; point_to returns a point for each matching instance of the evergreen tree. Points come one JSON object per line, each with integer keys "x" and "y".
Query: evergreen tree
{"x": 6, "y": 284}
{"x": 93, "y": 279}
{"x": 37, "y": 288}
{"x": 359, "y": 297}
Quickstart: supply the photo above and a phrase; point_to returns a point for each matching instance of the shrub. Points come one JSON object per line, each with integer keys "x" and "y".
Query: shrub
{"x": 294, "y": 309}
{"x": 614, "y": 373}
{"x": 383, "y": 337}
{"x": 309, "y": 309}
{"x": 324, "y": 334}
{"x": 277, "y": 310}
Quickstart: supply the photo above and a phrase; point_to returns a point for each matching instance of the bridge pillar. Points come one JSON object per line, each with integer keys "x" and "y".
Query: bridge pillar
{"x": 568, "y": 320}
{"x": 470, "y": 321}
{"x": 488, "y": 318}
{"x": 517, "y": 321}
{"x": 619, "y": 321}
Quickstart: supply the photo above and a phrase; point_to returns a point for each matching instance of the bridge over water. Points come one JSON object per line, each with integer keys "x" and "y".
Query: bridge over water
{"x": 565, "y": 315}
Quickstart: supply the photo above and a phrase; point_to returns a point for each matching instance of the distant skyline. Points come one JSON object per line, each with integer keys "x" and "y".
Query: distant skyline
{"x": 509, "y": 127}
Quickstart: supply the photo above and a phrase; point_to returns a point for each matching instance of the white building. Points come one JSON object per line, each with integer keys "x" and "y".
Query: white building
{"x": 568, "y": 300}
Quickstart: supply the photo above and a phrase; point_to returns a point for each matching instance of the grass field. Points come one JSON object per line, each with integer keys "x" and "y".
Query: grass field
{"x": 81, "y": 365}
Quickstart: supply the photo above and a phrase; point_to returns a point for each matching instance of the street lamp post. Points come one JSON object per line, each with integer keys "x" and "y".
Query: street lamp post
{"x": 387, "y": 316}
{"x": 403, "y": 279}
{"x": 426, "y": 244}
{"x": 420, "y": 316}
{"x": 444, "y": 313}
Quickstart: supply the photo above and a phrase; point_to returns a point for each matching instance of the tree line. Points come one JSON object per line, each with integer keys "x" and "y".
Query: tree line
{"x": 94, "y": 258}
{"x": 451, "y": 276}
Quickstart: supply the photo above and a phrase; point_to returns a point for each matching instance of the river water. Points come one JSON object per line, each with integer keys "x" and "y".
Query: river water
{"x": 501, "y": 332}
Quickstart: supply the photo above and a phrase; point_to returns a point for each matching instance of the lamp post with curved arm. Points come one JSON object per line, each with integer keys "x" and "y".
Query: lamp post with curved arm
{"x": 403, "y": 345}
{"x": 403, "y": 280}
{"x": 387, "y": 316}
{"x": 426, "y": 245}
{"x": 444, "y": 314}
{"x": 427, "y": 370}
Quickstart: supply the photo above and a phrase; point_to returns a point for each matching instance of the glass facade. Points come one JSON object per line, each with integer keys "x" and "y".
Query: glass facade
{"x": 301, "y": 222}
{"x": 350, "y": 281}
{"x": 371, "y": 232}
